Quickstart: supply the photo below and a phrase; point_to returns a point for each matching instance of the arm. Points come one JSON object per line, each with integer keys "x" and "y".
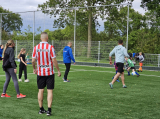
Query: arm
{"x": 34, "y": 65}
{"x": 23, "y": 61}
{"x": 110, "y": 56}
{"x": 71, "y": 55}
{"x": 125, "y": 53}
{"x": 56, "y": 65}
{"x": 11, "y": 59}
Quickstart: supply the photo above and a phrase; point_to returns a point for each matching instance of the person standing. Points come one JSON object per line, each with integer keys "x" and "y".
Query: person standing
{"x": 67, "y": 57}
{"x": 120, "y": 52}
{"x": 22, "y": 65}
{"x": 141, "y": 59}
{"x": 46, "y": 58}
{"x": 9, "y": 66}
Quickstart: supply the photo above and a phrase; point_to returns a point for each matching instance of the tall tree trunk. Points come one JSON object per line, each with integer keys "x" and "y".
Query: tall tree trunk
{"x": 89, "y": 33}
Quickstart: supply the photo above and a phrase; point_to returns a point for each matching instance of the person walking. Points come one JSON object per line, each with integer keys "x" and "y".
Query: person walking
{"x": 9, "y": 66}
{"x": 46, "y": 58}
{"x": 120, "y": 52}
{"x": 67, "y": 57}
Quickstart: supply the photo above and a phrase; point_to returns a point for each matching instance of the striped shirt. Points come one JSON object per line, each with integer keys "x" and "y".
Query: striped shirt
{"x": 44, "y": 53}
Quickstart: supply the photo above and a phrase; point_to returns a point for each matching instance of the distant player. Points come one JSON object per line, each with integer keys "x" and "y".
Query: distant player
{"x": 131, "y": 66}
{"x": 120, "y": 52}
{"x": 116, "y": 68}
{"x": 67, "y": 57}
{"x": 141, "y": 59}
{"x": 1, "y": 52}
{"x": 46, "y": 58}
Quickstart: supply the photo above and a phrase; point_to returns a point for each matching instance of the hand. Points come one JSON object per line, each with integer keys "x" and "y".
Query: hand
{"x": 59, "y": 73}
{"x": 26, "y": 64}
{"x": 15, "y": 71}
{"x": 35, "y": 71}
{"x": 2, "y": 47}
{"x": 110, "y": 62}
{"x": 74, "y": 63}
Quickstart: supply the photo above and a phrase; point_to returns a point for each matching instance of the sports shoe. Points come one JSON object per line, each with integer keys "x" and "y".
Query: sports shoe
{"x": 124, "y": 86}
{"x": 117, "y": 80}
{"x": 42, "y": 111}
{"x": 138, "y": 75}
{"x": 20, "y": 80}
{"x": 21, "y": 96}
{"x": 26, "y": 80}
{"x": 111, "y": 85}
{"x": 48, "y": 113}
{"x": 5, "y": 95}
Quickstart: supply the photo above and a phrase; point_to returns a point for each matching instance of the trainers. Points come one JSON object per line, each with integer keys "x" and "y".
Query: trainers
{"x": 26, "y": 80}
{"x": 42, "y": 111}
{"x": 138, "y": 75}
{"x": 48, "y": 113}
{"x": 117, "y": 80}
{"x": 111, "y": 85}
{"x": 64, "y": 80}
{"x": 5, "y": 95}
{"x": 124, "y": 86}
{"x": 20, "y": 80}
{"x": 21, "y": 96}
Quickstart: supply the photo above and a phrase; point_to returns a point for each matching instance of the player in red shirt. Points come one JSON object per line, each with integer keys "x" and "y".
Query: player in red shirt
{"x": 46, "y": 58}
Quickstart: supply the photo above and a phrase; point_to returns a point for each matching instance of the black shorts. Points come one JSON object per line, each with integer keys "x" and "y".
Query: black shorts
{"x": 133, "y": 68}
{"x": 0, "y": 58}
{"x": 120, "y": 67}
{"x": 43, "y": 81}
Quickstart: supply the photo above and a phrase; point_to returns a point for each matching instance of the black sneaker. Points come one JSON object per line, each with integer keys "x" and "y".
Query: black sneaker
{"x": 42, "y": 111}
{"x": 48, "y": 113}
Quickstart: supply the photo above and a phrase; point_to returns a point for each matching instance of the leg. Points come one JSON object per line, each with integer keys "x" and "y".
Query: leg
{"x": 49, "y": 97}
{"x": 40, "y": 97}
{"x": 25, "y": 72}
{"x": 116, "y": 77}
{"x": 122, "y": 78}
{"x": 14, "y": 78}
{"x": 20, "y": 71}
{"x": 68, "y": 65}
{"x": 8, "y": 77}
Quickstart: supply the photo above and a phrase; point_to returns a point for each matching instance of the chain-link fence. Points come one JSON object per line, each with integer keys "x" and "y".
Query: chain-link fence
{"x": 99, "y": 55}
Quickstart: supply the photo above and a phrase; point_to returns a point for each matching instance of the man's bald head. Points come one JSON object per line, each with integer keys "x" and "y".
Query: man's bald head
{"x": 70, "y": 44}
{"x": 44, "y": 36}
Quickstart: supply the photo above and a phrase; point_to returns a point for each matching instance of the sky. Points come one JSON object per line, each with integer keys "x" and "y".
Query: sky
{"x": 31, "y": 5}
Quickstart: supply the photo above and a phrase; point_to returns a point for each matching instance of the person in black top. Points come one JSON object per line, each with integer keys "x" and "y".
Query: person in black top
{"x": 22, "y": 65}
{"x": 9, "y": 66}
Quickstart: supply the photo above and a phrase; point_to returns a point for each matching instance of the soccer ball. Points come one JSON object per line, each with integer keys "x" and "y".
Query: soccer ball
{"x": 133, "y": 73}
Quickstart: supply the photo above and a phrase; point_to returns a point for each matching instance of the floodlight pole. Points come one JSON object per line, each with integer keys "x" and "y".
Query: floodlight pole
{"x": 74, "y": 33}
{"x": 33, "y": 27}
{"x": 127, "y": 28}
{"x": 0, "y": 29}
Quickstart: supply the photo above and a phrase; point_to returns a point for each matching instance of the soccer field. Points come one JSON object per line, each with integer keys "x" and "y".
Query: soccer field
{"x": 87, "y": 96}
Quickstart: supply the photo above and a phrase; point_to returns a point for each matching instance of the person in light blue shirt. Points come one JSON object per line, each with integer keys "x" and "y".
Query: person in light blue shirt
{"x": 67, "y": 57}
{"x": 120, "y": 53}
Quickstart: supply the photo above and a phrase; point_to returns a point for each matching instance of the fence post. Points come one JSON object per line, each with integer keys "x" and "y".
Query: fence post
{"x": 33, "y": 26}
{"x": 52, "y": 42}
{"x": 74, "y": 33}
{"x": 158, "y": 59}
{"x": 0, "y": 29}
{"x": 16, "y": 48}
{"x": 99, "y": 51}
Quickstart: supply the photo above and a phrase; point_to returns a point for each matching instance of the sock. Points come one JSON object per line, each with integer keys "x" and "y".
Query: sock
{"x": 49, "y": 109}
{"x": 41, "y": 108}
{"x": 128, "y": 73}
{"x": 136, "y": 73}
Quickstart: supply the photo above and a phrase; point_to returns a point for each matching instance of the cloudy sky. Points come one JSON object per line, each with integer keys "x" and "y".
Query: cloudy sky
{"x": 31, "y": 5}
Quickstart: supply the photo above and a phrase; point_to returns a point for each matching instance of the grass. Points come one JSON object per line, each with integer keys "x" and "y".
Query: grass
{"x": 87, "y": 96}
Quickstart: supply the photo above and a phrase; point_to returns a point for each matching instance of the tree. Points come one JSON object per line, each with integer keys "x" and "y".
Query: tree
{"x": 10, "y": 21}
{"x": 91, "y": 13}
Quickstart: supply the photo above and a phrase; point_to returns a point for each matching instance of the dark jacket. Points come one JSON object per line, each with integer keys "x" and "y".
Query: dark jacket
{"x": 9, "y": 59}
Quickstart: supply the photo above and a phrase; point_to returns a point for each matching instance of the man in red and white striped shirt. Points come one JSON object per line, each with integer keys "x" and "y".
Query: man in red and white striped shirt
{"x": 46, "y": 58}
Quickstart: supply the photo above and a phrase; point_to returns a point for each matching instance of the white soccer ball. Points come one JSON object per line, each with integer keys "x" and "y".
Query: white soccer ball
{"x": 133, "y": 73}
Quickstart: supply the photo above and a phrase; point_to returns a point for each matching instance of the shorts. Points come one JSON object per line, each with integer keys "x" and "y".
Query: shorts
{"x": 133, "y": 68}
{"x": 141, "y": 64}
{"x": 120, "y": 67}
{"x": 43, "y": 81}
{"x": 0, "y": 58}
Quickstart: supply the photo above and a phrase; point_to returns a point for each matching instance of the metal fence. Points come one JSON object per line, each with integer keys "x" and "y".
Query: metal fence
{"x": 99, "y": 55}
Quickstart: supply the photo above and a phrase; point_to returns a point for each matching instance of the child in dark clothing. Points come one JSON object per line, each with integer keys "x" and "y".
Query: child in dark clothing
{"x": 22, "y": 65}
{"x": 116, "y": 68}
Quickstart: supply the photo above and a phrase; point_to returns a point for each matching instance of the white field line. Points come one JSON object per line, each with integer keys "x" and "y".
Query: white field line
{"x": 76, "y": 70}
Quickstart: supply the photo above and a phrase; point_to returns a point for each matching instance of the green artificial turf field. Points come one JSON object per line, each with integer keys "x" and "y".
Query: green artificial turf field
{"x": 87, "y": 96}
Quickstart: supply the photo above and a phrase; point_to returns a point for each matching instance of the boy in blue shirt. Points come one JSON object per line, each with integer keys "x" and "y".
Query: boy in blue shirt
{"x": 67, "y": 57}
